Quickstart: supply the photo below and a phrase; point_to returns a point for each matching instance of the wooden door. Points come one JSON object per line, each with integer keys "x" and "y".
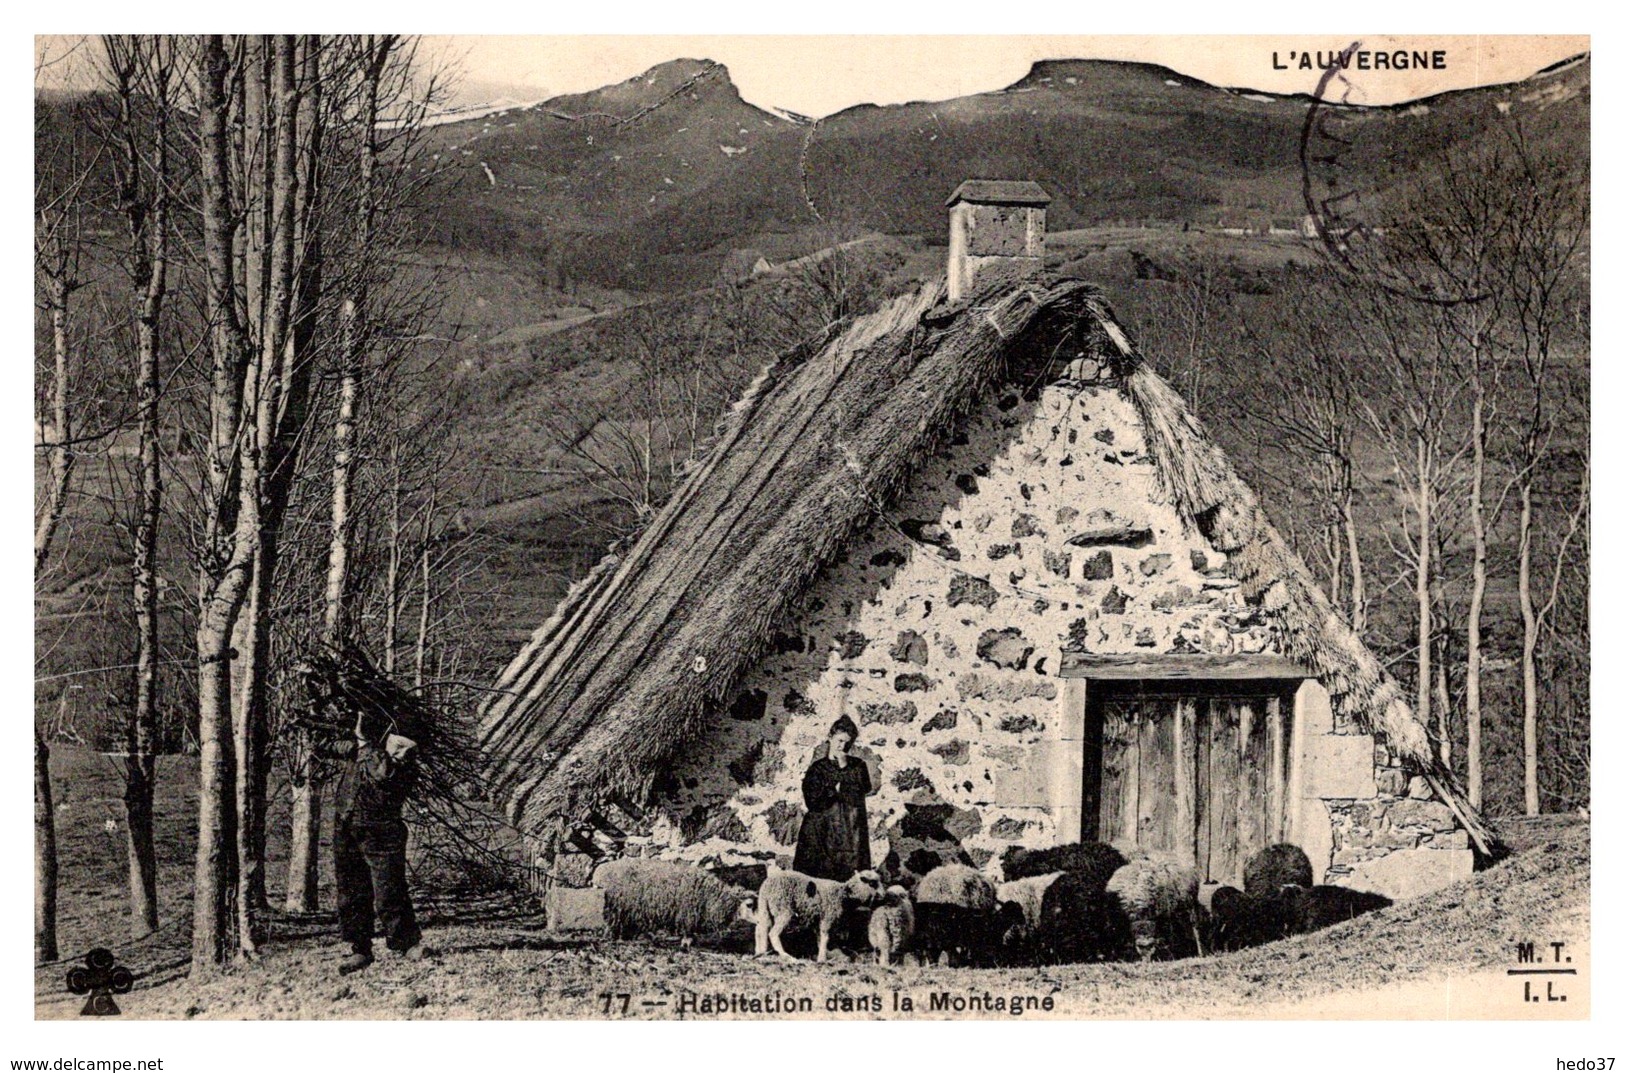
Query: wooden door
{"x": 1194, "y": 771}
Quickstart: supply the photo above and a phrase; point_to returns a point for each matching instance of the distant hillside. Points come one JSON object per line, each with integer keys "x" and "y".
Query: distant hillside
{"x": 649, "y": 183}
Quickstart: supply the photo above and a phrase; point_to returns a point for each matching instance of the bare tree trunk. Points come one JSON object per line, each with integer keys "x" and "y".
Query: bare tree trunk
{"x": 248, "y": 742}
{"x": 423, "y": 619}
{"x": 214, "y": 886}
{"x": 1475, "y": 608}
{"x": 1441, "y": 694}
{"x": 303, "y": 868}
{"x": 283, "y": 373}
{"x": 392, "y": 569}
{"x": 44, "y": 854}
{"x": 142, "y": 70}
{"x": 1531, "y": 641}
{"x": 1424, "y": 586}
{"x": 56, "y": 252}
{"x": 231, "y": 529}
{"x": 1351, "y": 538}
{"x": 59, "y": 451}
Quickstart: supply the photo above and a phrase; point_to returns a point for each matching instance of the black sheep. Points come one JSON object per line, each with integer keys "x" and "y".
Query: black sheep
{"x": 1079, "y": 921}
{"x": 1312, "y": 908}
{"x": 1239, "y": 920}
{"x": 1275, "y": 867}
{"x": 957, "y": 933}
{"x": 1085, "y": 858}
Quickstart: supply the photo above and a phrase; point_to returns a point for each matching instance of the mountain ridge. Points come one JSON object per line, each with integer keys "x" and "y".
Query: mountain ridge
{"x": 648, "y": 184}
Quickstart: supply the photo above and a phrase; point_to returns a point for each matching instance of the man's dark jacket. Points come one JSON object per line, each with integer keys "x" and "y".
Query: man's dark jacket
{"x": 371, "y": 788}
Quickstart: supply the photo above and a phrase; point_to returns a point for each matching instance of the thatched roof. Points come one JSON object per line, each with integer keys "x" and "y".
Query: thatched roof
{"x": 621, "y": 677}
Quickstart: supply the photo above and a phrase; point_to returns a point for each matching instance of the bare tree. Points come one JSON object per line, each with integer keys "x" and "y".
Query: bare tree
{"x": 60, "y": 197}
{"x": 1184, "y": 317}
{"x": 1412, "y": 411}
{"x": 259, "y": 384}
{"x": 372, "y": 59}
{"x": 143, "y": 75}
{"x": 1551, "y": 223}
{"x": 1305, "y": 387}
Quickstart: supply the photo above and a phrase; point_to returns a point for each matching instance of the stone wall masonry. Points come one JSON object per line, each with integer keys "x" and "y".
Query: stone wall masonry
{"x": 940, "y": 633}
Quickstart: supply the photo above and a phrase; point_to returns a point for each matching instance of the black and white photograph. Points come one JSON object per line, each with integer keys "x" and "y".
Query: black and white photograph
{"x": 898, "y": 528}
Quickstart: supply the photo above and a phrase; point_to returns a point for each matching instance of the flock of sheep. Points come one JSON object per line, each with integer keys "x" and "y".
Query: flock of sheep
{"x": 1074, "y": 903}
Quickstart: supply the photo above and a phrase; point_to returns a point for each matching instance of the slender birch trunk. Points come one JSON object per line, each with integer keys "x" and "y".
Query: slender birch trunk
{"x": 1475, "y": 606}
{"x": 423, "y": 620}
{"x": 58, "y": 449}
{"x": 231, "y": 530}
{"x": 1351, "y": 538}
{"x": 1424, "y": 587}
{"x": 44, "y": 854}
{"x": 143, "y": 69}
{"x": 392, "y": 568}
{"x": 302, "y": 858}
{"x": 1531, "y": 642}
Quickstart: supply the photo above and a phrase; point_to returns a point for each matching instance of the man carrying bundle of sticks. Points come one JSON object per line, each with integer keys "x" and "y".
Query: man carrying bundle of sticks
{"x": 379, "y": 770}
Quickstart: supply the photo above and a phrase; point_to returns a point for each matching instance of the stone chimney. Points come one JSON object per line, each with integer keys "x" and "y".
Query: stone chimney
{"x": 995, "y": 234}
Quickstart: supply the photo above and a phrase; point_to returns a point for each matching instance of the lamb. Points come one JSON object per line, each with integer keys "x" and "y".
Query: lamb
{"x": 1275, "y": 867}
{"x": 891, "y": 925}
{"x": 1090, "y": 858}
{"x": 792, "y": 898}
{"x": 954, "y": 908}
{"x": 1158, "y": 895}
{"x": 1021, "y": 903}
{"x": 644, "y": 896}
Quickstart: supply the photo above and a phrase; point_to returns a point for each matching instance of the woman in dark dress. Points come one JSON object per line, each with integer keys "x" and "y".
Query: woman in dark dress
{"x": 834, "y": 840}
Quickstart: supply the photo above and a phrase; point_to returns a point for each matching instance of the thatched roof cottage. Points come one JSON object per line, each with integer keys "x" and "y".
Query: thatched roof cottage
{"x": 986, "y": 530}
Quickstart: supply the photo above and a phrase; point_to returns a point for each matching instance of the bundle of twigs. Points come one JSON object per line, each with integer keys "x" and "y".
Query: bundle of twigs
{"x": 460, "y": 840}
{"x": 344, "y": 686}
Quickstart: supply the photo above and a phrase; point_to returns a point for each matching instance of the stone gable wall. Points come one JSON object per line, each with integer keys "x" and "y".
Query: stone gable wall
{"x": 940, "y": 632}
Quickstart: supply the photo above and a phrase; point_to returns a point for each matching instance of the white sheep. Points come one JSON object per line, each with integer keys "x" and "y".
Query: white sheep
{"x": 645, "y": 895}
{"x": 957, "y": 884}
{"x": 1021, "y": 903}
{"x": 954, "y": 914}
{"x": 1027, "y": 895}
{"x": 891, "y": 925}
{"x": 789, "y": 897}
{"x": 1158, "y": 895}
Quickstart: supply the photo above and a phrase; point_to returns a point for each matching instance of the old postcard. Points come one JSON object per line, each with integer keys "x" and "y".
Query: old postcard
{"x": 731, "y": 528}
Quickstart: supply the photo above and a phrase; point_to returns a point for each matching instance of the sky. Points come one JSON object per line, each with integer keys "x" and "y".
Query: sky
{"x": 818, "y": 75}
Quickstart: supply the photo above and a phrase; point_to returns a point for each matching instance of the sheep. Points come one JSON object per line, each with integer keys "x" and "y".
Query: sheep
{"x": 1306, "y": 909}
{"x": 1158, "y": 895}
{"x": 1241, "y": 920}
{"x": 1079, "y": 921}
{"x": 1020, "y": 905}
{"x": 792, "y": 898}
{"x": 1090, "y": 858}
{"x": 891, "y": 925}
{"x": 957, "y": 884}
{"x": 954, "y": 908}
{"x": 645, "y": 896}
{"x": 1274, "y": 867}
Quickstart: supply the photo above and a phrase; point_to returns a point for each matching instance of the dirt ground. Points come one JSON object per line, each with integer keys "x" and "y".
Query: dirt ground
{"x": 1443, "y": 956}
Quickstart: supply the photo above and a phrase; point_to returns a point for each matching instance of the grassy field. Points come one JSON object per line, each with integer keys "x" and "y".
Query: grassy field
{"x": 1445, "y": 955}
